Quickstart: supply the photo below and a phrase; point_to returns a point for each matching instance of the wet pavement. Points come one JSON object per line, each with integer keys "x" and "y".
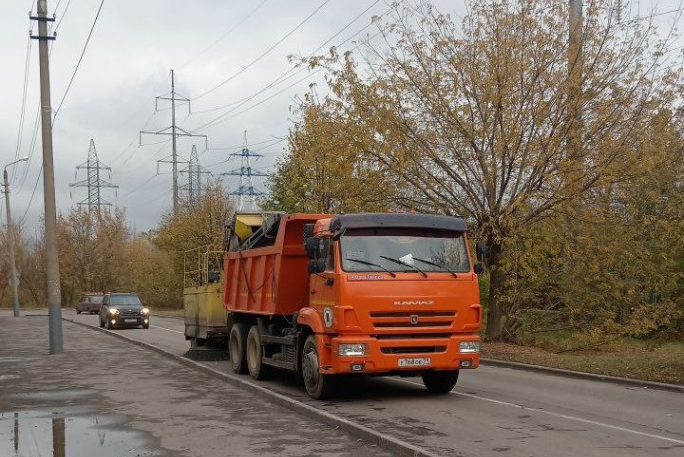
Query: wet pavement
{"x": 109, "y": 398}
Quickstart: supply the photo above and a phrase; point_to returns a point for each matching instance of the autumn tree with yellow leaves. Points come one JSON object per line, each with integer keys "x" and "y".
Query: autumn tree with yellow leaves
{"x": 476, "y": 118}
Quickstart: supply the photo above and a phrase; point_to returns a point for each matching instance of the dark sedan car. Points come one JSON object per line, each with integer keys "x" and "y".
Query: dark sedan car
{"x": 123, "y": 310}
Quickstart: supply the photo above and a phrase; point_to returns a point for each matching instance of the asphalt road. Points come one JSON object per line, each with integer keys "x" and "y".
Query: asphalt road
{"x": 492, "y": 410}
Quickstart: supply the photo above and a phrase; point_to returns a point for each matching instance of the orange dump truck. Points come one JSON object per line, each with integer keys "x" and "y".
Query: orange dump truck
{"x": 329, "y": 295}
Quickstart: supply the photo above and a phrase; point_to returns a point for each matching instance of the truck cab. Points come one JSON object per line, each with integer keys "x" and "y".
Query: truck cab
{"x": 393, "y": 293}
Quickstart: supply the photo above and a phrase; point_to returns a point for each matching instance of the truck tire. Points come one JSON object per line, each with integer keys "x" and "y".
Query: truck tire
{"x": 257, "y": 370}
{"x": 440, "y": 382}
{"x": 237, "y": 341}
{"x": 318, "y": 385}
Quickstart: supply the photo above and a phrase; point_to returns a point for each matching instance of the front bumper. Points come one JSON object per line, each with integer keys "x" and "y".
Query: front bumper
{"x": 128, "y": 321}
{"x": 392, "y": 355}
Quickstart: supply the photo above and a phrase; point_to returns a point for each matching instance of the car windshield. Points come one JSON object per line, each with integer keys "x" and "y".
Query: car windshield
{"x": 124, "y": 300}
{"x": 404, "y": 250}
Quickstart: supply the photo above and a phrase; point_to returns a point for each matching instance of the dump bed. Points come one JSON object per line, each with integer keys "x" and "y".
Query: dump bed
{"x": 270, "y": 277}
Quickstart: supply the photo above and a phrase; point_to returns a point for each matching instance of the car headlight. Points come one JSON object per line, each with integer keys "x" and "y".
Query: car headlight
{"x": 469, "y": 346}
{"x": 113, "y": 311}
{"x": 145, "y": 311}
{"x": 351, "y": 349}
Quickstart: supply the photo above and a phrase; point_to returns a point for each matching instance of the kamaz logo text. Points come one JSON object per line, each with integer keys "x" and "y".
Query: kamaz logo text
{"x": 413, "y": 302}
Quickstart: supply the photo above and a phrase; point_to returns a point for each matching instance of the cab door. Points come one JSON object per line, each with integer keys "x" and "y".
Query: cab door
{"x": 323, "y": 286}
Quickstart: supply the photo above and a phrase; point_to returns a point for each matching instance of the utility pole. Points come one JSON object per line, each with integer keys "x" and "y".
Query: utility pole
{"x": 10, "y": 236}
{"x": 246, "y": 190}
{"x": 94, "y": 202}
{"x": 174, "y": 133}
{"x": 575, "y": 23}
{"x": 54, "y": 293}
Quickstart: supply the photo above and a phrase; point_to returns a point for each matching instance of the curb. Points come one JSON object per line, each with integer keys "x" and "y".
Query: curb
{"x": 400, "y": 447}
{"x": 583, "y": 375}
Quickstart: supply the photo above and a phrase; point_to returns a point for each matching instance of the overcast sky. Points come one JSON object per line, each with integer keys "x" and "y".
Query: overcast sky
{"x": 127, "y": 63}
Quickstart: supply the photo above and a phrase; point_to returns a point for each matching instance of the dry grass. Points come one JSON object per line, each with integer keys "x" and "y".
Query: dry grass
{"x": 629, "y": 359}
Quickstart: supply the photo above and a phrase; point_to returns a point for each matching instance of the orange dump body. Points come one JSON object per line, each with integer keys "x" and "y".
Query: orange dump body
{"x": 272, "y": 279}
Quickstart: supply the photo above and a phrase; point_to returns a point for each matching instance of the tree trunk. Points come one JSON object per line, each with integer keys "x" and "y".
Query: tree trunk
{"x": 497, "y": 278}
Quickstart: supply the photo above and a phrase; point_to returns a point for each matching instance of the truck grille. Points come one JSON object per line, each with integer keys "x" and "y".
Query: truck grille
{"x": 413, "y": 350}
{"x": 418, "y": 319}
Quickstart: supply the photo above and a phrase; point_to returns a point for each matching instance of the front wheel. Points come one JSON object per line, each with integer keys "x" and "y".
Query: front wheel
{"x": 318, "y": 385}
{"x": 102, "y": 324}
{"x": 440, "y": 382}
{"x": 236, "y": 347}
{"x": 78, "y": 311}
{"x": 110, "y": 326}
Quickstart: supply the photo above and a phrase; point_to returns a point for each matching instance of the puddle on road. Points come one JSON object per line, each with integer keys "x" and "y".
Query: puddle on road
{"x": 36, "y": 433}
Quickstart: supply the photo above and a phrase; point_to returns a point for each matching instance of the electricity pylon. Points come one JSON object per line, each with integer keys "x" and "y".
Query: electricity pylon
{"x": 245, "y": 192}
{"x": 93, "y": 182}
{"x": 174, "y": 131}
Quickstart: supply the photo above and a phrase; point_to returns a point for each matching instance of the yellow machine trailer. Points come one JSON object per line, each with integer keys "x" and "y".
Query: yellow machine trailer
{"x": 204, "y": 313}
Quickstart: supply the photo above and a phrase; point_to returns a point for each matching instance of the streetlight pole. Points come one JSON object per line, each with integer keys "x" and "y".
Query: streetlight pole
{"x": 10, "y": 236}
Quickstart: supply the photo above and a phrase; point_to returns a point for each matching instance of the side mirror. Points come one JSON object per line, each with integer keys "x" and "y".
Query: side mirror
{"x": 479, "y": 268}
{"x": 316, "y": 266}
{"x": 311, "y": 245}
{"x": 480, "y": 251}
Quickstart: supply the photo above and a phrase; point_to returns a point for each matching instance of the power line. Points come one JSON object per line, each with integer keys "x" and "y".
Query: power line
{"x": 232, "y": 29}
{"x": 264, "y": 53}
{"x": 33, "y": 194}
{"x": 23, "y": 104}
{"x": 79, "y": 60}
{"x": 66, "y": 8}
{"x": 283, "y": 77}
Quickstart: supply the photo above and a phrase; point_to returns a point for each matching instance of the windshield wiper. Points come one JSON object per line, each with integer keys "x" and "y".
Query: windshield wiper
{"x": 404, "y": 264}
{"x": 392, "y": 274}
{"x": 430, "y": 262}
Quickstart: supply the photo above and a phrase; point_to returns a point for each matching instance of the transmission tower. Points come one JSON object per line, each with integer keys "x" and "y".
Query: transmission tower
{"x": 246, "y": 192}
{"x": 174, "y": 132}
{"x": 93, "y": 182}
{"x": 193, "y": 189}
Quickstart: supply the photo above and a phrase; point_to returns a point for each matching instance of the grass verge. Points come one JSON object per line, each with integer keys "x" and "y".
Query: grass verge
{"x": 625, "y": 358}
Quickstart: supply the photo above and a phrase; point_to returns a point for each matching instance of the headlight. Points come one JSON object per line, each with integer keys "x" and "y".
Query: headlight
{"x": 469, "y": 346}
{"x": 113, "y": 311}
{"x": 145, "y": 311}
{"x": 351, "y": 349}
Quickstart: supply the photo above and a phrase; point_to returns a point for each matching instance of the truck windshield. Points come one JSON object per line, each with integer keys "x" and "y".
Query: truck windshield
{"x": 403, "y": 250}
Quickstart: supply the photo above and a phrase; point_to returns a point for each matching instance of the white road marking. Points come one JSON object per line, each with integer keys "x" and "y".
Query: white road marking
{"x": 563, "y": 416}
{"x": 164, "y": 328}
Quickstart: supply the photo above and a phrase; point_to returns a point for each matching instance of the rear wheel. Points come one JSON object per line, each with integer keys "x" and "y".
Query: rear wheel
{"x": 236, "y": 347}
{"x": 78, "y": 311}
{"x": 440, "y": 382}
{"x": 257, "y": 370}
{"x": 318, "y": 385}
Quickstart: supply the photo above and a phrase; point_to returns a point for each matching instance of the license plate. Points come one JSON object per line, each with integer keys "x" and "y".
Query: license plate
{"x": 130, "y": 320}
{"x": 419, "y": 362}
